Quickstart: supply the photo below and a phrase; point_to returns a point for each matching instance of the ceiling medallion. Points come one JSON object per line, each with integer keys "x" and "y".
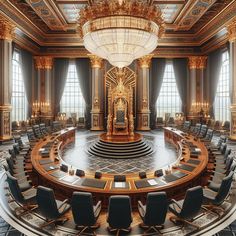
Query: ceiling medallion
{"x": 120, "y": 31}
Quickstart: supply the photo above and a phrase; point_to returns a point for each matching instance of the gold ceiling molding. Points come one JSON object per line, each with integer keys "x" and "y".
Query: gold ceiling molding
{"x": 197, "y": 62}
{"x": 43, "y": 62}
{"x": 96, "y": 61}
{"x": 7, "y": 29}
{"x": 231, "y": 28}
{"x": 145, "y": 62}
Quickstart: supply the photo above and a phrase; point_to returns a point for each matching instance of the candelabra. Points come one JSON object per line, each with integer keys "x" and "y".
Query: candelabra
{"x": 40, "y": 108}
{"x": 200, "y": 107}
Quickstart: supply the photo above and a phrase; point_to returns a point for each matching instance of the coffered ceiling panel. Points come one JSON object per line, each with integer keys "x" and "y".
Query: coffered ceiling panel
{"x": 170, "y": 11}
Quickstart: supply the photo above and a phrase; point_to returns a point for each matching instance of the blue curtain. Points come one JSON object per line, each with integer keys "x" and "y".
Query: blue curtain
{"x": 157, "y": 74}
{"x": 84, "y": 74}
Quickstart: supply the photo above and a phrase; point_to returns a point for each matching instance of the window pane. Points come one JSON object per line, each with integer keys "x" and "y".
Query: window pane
{"x": 18, "y": 101}
{"x": 72, "y": 100}
{"x": 222, "y": 101}
{"x": 168, "y": 100}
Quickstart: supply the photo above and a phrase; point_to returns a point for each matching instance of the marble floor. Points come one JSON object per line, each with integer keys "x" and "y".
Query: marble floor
{"x": 83, "y": 141}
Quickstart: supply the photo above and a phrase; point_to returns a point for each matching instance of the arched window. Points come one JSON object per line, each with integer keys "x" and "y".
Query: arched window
{"x": 222, "y": 99}
{"x": 72, "y": 99}
{"x": 19, "y": 100}
{"x": 168, "y": 100}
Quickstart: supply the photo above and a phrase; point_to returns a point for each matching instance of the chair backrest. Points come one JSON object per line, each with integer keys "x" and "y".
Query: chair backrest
{"x": 203, "y": 131}
{"x": 228, "y": 162}
{"x": 226, "y": 125}
{"x": 120, "y": 116}
{"x": 82, "y": 209}
{"x": 46, "y": 202}
{"x": 209, "y": 135}
{"x": 156, "y": 208}
{"x": 233, "y": 166}
{"x": 192, "y": 202}
{"x": 14, "y": 188}
{"x": 10, "y": 164}
{"x": 119, "y": 212}
{"x": 160, "y": 120}
{"x": 223, "y": 148}
{"x": 224, "y": 188}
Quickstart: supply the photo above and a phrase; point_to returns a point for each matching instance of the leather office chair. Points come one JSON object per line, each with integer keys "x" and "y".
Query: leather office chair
{"x": 186, "y": 210}
{"x": 212, "y": 199}
{"x": 85, "y": 214}
{"x": 119, "y": 214}
{"x": 25, "y": 198}
{"x": 154, "y": 212}
{"x": 52, "y": 209}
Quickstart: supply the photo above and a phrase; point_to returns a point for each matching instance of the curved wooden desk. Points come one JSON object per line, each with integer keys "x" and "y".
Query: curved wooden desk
{"x": 65, "y": 184}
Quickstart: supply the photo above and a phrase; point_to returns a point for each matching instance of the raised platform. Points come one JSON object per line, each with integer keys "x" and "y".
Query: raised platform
{"x": 120, "y": 147}
{"x": 121, "y": 139}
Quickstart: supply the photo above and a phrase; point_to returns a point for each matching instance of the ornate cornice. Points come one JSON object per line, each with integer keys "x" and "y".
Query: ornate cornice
{"x": 231, "y": 28}
{"x": 43, "y": 62}
{"x": 6, "y": 29}
{"x": 96, "y": 61}
{"x": 197, "y": 62}
{"x": 145, "y": 62}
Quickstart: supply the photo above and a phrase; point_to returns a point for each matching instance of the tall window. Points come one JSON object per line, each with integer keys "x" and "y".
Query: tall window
{"x": 222, "y": 99}
{"x": 19, "y": 108}
{"x": 72, "y": 99}
{"x": 168, "y": 100}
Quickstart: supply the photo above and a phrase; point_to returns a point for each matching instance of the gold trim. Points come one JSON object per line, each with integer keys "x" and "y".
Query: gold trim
{"x": 7, "y": 29}
{"x": 96, "y": 62}
{"x": 145, "y": 61}
{"x": 43, "y": 62}
{"x": 197, "y": 62}
{"x": 231, "y": 28}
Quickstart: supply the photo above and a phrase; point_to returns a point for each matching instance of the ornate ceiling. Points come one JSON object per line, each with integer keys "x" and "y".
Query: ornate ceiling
{"x": 46, "y": 24}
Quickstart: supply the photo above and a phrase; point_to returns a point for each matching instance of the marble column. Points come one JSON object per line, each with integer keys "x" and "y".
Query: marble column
{"x": 44, "y": 84}
{"x": 6, "y": 36}
{"x": 97, "y": 112}
{"x": 232, "y": 40}
{"x": 197, "y": 73}
{"x": 143, "y": 113}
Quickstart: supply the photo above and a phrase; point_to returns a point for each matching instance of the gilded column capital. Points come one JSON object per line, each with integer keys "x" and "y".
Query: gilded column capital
{"x": 197, "y": 62}
{"x": 43, "y": 62}
{"x": 95, "y": 61}
{"x": 7, "y": 29}
{"x": 231, "y": 28}
{"x": 145, "y": 61}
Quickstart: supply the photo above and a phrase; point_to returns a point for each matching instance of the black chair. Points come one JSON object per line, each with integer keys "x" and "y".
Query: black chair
{"x": 186, "y": 210}
{"x": 52, "y": 209}
{"x": 119, "y": 214}
{"x": 213, "y": 200}
{"x": 85, "y": 214}
{"x": 25, "y": 198}
{"x": 154, "y": 212}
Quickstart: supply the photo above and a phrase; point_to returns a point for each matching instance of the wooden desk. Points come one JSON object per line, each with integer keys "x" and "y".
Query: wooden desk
{"x": 63, "y": 188}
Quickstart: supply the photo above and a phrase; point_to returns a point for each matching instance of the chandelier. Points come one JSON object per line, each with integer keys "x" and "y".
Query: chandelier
{"x": 120, "y": 31}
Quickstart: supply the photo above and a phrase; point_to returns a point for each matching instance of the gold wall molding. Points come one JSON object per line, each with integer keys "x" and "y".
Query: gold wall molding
{"x": 7, "y": 29}
{"x": 197, "y": 62}
{"x": 145, "y": 62}
{"x": 96, "y": 61}
{"x": 43, "y": 62}
{"x": 231, "y": 28}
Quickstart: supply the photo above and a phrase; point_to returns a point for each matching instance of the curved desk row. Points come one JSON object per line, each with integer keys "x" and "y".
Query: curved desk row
{"x": 186, "y": 171}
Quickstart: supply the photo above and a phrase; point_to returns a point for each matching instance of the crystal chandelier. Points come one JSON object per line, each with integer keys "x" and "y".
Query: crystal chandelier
{"x": 120, "y": 31}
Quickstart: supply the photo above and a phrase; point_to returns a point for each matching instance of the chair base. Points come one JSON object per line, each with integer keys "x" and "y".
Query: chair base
{"x": 84, "y": 228}
{"x": 213, "y": 209}
{"x": 175, "y": 219}
{"x": 56, "y": 221}
{"x": 149, "y": 228}
{"x": 127, "y": 230}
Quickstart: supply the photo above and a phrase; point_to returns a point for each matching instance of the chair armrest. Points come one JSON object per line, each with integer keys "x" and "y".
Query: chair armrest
{"x": 175, "y": 202}
{"x": 141, "y": 209}
{"x": 97, "y": 208}
{"x": 63, "y": 203}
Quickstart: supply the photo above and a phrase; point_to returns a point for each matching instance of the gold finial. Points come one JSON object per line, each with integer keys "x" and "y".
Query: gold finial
{"x": 6, "y": 29}
{"x": 95, "y": 61}
{"x": 43, "y": 62}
